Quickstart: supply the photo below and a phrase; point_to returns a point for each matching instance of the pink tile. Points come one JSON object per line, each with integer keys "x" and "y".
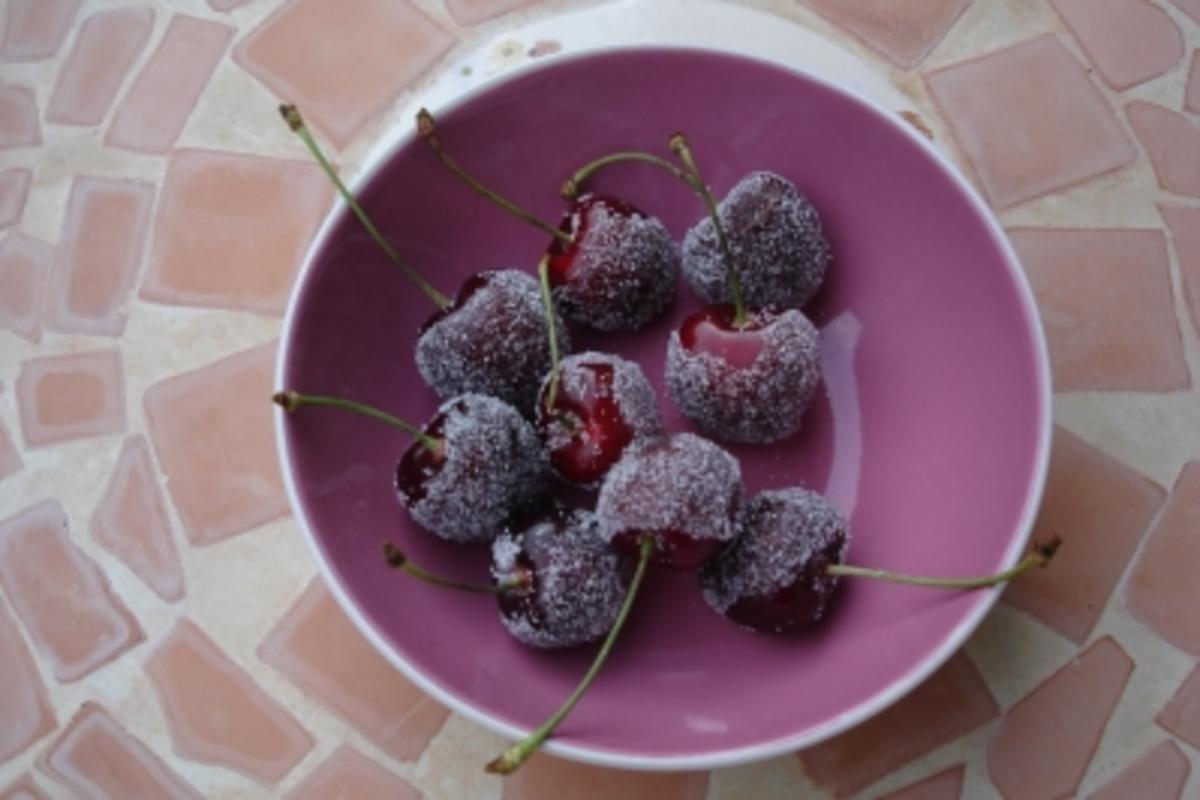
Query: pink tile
{"x": 1158, "y": 775}
{"x": 104, "y": 234}
{"x": 945, "y": 785}
{"x": 545, "y": 776}
{"x": 1189, "y": 7}
{"x": 131, "y": 521}
{"x": 953, "y": 702}
{"x": 71, "y": 396}
{"x": 153, "y": 112}
{"x": 1184, "y": 224}
{"x": 107, "y": 45}
{"x": 25, "y": 267}
{"x": 349, "y": 774}
{"x": 231, "y": 230}
{"x": 97, "y": 757}
{"x": 1173, "y": 144}
{"x": 342, "y": 63}
{"x": 1191, "y": 97}
{"x": 35, "y": 29}
{"x": 10, "y": 459}
{"x": 904, "y": 31}
{"x": 1181, "y": 716}
{"x": 18, "y": 117}
{"x": 1101, "y": 509}
{"x": 1162, "y": 591}
{"x": 473, "y": 12}
{"x": 227, "y": 480}
{"x": 1107, "y": 307}
{"x": 319, "y": 649}
{"x": 61, "y": 595}
{"x": 1029, "y": 120}
{"x": 25, "y": 713}
{"x": 14, "y": 189}
{"x": 23, "y": 788}
{"x": 218, "y": 714}
{"x": 1129, "y": 41}
{"x": 1045, "y": 741}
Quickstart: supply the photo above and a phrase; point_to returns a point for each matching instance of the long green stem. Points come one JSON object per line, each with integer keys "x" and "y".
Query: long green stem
{"x": 679, "y": 146}
{"x": 291, "y": 115}
{"x": 516, "y": 755}
{"x": 551, "y": 328}
{"x": 572, "y": 185}
{"x": 1039, "y": 557}
{"x": 428, "y": 131}
{"x": 398, "y": 560}
{"x": 294, "y": 401}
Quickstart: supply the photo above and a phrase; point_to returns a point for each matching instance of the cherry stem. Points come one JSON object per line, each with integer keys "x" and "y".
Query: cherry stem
{"x": 552, "y": 329}
{"x": 515, "y": 756}
{"x": 679, "y": 146}
{"x": 1039, "y": 557}
{"x": 428, "y": 132}
{"x": 291, "y": 115}
{"x": 294, "y": 401}
{"x": 572, "y": 186}
{"x": 397, "y": 560}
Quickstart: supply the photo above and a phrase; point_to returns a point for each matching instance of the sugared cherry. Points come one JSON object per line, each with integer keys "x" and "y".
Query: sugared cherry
{"x": 490, "y": 465}
{"x": 601, "y": 403}
{"x": 618, "y": 270}
{"x": 613, "y": 268}
{"x": 681, "y": 492}
{"x": 774, "y": 578}
{"x": 567, "y": 583}
{"x": 751, "y": 383}
{"x": 492, "y": 340}
{"x": 775, "y": 238}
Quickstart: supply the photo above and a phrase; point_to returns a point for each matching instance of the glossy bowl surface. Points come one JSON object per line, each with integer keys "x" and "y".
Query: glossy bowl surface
{"x": 931, "y": 432}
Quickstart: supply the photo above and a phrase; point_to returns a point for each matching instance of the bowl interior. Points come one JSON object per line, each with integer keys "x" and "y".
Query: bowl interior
{"x": 930, "y": 433}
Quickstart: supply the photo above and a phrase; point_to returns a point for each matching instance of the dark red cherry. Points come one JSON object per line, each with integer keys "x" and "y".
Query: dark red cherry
{"x": 619, "y": 270}
{"x": 774, "y": 577}
{"x": 601, "y": 404}
{"x": 680, "y": 491}
{"x": 776, "y": 240}
{"x": 565, "y": 585}
{"x": 487, "y": 465}
{"x": 492, "y": 340}
{"x": 751, "y": 383}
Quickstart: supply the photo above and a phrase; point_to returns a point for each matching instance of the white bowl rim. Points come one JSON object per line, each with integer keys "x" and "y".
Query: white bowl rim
{"x": 743, "y": 754}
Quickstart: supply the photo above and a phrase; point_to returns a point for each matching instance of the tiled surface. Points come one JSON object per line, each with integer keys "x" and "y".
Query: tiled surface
{"x": 152, "y": 220}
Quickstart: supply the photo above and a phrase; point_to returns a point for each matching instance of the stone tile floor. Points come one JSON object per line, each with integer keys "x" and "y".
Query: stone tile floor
{"x": 161, "y": 631}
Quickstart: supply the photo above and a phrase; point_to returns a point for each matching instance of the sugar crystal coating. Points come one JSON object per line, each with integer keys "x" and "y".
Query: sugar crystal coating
{"x": 683, "y": 485}
{"x": 621, "y": 271}
{"x": 607, "y": 386}
{"x": 773, "y": 578}
{"x": 574, "y": 583}
{"x": 775, "y": 236}
{"x": 762, "y": 402}
{"x": 491, "y": 466}
{"x": 492, "y": 341}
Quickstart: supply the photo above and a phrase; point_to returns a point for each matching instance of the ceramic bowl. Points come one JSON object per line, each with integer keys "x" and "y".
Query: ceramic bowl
{"x": 931, "y": 432}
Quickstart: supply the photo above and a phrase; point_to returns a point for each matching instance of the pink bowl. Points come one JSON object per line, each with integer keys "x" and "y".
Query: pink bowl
{"x": 932, "y": 435}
